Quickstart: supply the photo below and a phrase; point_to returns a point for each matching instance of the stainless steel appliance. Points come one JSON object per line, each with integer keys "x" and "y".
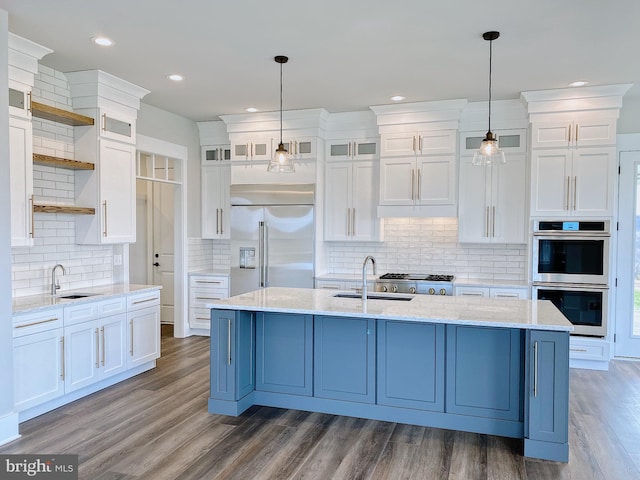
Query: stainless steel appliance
{"x": 585, "y": 306}
{"x": 272, "y": 236}
{"x": 426, "y": 284}
{"x": 571, "y": 252}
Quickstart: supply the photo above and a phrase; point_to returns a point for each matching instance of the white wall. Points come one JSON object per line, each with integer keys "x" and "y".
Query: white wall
{"x": 8, "y": 419}
{"x": 629, "y": 121}
{"x": 156, "y": 123}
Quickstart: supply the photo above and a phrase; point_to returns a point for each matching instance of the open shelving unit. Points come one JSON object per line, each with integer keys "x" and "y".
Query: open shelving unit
{"x": 59, "y": 115}
{"x": 64, "y": 209}
{"x": 50, "y": 161}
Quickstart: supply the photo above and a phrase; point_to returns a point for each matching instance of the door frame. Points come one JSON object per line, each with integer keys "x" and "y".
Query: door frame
{"x": 625, "y": 143}
{"x": 180, "y": 153}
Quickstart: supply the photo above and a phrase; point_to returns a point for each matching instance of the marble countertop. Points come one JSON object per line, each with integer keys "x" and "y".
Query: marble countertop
{"x": 34, "y": 303}
{"x": 489, "y": 312}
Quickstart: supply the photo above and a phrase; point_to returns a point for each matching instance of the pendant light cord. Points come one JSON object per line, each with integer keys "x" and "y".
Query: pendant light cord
{"x": 490, "y": 63}
{"x": 281, "y": 104}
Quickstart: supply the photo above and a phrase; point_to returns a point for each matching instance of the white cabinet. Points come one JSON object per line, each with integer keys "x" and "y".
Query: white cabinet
{"x": 351, "y": 201}
{"x": 492, "y": 202}
{"x": 492, "y": 292}
{"x": 38, "y": 358}
{"x": 205, "y": 289}
{"x": 117, "y": 126}
{"x": 143, "y": 317}
{"x": 212, "y": 155}
{"x": 572, "y": 182}
{"x": 110, "y": 189}
{"x": 21, "y": 176}
{"x": 252, "y": 148}
{"x": 19, "y": 100}
{"x": 418, "y": 170}
{"x": 582, "y": 131}
{"x": 215, "y": 201}
{"x": 360, "y": 149}
{"x": 344, "y": 285}
{"x": 299, "y": 148}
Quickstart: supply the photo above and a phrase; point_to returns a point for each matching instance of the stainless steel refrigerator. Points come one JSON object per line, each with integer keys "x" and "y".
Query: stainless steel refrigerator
{"x": 272, "y": 236}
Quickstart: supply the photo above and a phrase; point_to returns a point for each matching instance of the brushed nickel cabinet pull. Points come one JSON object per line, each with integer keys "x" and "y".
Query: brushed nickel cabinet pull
{"x": 62, "y": 358}
{"x": 568, "y": 189}
{"x": 97, "y": 348}
{"x": 583, "y": 350}
{"x": 535, "y": 369}
{"x": 208, "y": 298}
{"x": 131, "y": 338}
{"x": 221, "y": 223}
{"x": 217, "y": 221}
{"x": 577, "y": 130}
{"x": 419, "y": 184}
{"x": 31, "y": 233}
{"x": 575, "y": 189}
{"x": 104, "y": 122}
{"x": 486, "y": 223}
{"x": 104, "y": 205}
{"x": 570, "y": 133}
{"x": 103, "y": 346}
{"x": 493, "y": 222}
{"x": 29, "y": 102}
{"x": 413, "y": 144}
{"x": 25, "y": 325}
{"x": 353, "y": 223}
{"x": 413, "y": 174}
{"x": 209, "y": 281}
{"x": 419, "y": 143}
{"x": 348, "y": 222}
{"x": 229, "y": 342}
{"x": 145, "y": 300}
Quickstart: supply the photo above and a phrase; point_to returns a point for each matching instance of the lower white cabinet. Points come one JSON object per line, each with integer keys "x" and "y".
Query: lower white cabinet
{"x": 205, "y": 289}
{"x": 61, "y": 350}
{"x": 344, "y": 285}
{"x": 493, "y": 292}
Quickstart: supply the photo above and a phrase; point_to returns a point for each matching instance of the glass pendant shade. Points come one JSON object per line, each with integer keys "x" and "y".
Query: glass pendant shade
{"x": 489, "y": 152}
{"x": 281, "y": 162}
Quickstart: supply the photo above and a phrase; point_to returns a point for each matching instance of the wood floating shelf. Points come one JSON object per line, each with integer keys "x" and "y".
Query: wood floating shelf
{"x": 64, "y": 209}
{"x": 59, "y": 115}
{"x": 48, "y": 160}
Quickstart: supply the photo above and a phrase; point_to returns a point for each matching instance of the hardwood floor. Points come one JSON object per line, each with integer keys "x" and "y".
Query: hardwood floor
{"x": 156, "y": 426}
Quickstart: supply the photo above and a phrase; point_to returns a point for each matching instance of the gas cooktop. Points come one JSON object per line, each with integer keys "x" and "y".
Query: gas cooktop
{"x": 417, "y": 277}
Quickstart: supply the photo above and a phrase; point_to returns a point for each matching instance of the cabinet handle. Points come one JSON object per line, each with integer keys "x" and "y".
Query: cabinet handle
{"x": 31, "y": 233}
{"x": 349, "y": 149}
{"x": 493, "y": 222}
{"x": 486, "y": 223}
{"x": 413, "y": 144}
{"x": 104, "y": 205}
{"x": 145, "y": 300}
{"x": 29, "y": 102}
{"x": 203, "y": 318}
{"x": 348, "y": 222}
{"x": 575, "y": 188}
{"x": 24, "y": 325}
{"x": 209, "y": 281}
{"x": 419, "y": 184}
{"x": 217, "y": 221}
{"x": 103, "y": 346}
{"x": 62, "y": 358}
{"x": 330, "y": 287}
{"x": 229, "y": 342}
{"x": 221, "y": 223}
{"x": 535, "y": 369}
{"x": 413, "y": 174}
{"x": 568, "y": 188}
{"x": 208, "y": 298}
{"x": 583, "y": 350}
{"x": 97, "y": 348}
{"x": 104, "y": 122}
{"x": 353, "y": 223}
{"x": 297, "y": 147}
{"x": 570, "y": 133}
{"x": 419, "y": 144}
{"x": 131, "y": 337}
{"x": 577, "y": 129}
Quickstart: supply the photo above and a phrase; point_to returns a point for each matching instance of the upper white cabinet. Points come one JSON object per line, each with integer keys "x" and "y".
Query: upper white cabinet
{"x": 215, "y": 181}
{"x": 418, "y": 143}
{"x": 212, "y": 155}
{"x": 360, "y": 149}
{"x": 21, "y": 173}
{"x": 573, "y": 138}
{"x": 351, "y": 201}
{"x": 492, "y": 201}
{"x": 299, "y": 148}
{"x": 110, "y": 144}
{"x": 572, "y": 182}
{"x": 252, "y": 148}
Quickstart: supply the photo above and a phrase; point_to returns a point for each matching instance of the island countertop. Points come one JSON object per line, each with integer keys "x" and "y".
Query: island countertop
{"x": 489, "y": 312}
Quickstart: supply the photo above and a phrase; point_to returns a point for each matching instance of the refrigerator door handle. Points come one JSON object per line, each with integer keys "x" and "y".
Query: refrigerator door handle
{"x": 261, "y": 253}
{"x": 265, "y": 255}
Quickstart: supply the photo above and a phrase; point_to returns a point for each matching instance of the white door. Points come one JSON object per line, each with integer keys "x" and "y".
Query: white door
{"x": 337, "y": 219}
{"x": 364, "y": 222}
{"x": 550, "y": 183}
{"x": 627, "y": 317}
{"x": 474, "y": 211}
{"x": 163, "y": 247}
{"x": 118, "y": 192}
{"x": 398, "y": 181}
{"x": 591, "y": 189}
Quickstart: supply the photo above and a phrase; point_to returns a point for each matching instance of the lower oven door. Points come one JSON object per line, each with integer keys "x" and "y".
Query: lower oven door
{"x": 585, "y": 306}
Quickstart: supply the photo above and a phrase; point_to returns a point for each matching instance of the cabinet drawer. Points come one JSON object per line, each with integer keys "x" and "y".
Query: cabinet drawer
{"x": 143, "y": 300}
{"x": 330, "y": 285}
{"x": 584, "y": 349}
{"x": 28, "y": 323}
{"x": 209, "y": 281}
{"x": 81, "y": 313}
{"x": 112, "y": 306}
{"x": 199, "y": 297}
{"x": 200, "y": 318}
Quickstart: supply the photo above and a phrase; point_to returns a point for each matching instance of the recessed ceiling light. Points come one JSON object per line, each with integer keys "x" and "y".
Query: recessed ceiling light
{"x": 103, "y": 41}
{"x": 251, "y": 109}
{"x": 397, "y": 98}
{"x": 580, "y": 83}
{"x": 175, "y": 77}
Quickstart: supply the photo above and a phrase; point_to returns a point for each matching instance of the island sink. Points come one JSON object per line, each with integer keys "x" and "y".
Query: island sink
{"x": 374, "y": 296}
{"x": 72, "y": 296}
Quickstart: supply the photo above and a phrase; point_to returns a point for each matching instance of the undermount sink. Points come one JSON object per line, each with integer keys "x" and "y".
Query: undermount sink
{"x": 375, "y": 296}
{"x": 72, "y": 296}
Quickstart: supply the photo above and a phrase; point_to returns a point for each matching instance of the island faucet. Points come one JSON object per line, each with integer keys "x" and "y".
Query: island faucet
{"x": 364, "y": 274}
{"x": 55, "y": 286}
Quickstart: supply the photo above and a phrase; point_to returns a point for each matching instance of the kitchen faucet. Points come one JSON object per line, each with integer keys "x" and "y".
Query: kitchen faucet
{"x": 364, "y": 274}
{"x": 55, "y": 286}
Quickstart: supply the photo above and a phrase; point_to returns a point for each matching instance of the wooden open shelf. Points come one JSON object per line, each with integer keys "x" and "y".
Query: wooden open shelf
{"x": 41, "y": 110}
{"x": 48, "y": 160}
{"x": 64, "y": 209}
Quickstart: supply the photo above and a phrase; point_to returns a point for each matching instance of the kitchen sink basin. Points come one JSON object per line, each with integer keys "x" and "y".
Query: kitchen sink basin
{"x": 72, "y": 296}
{"x": 375, "y": 296}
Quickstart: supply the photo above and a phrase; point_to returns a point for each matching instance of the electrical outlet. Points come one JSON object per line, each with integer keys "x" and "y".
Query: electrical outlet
{"x": 117, "y": 259}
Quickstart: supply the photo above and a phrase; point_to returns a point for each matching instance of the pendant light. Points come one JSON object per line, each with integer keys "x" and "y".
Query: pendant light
{"x": 489, "y": 151}
{"x": 281, "y": 162}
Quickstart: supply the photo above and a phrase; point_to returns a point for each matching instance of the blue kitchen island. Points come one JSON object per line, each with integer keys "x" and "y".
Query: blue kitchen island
{"x": 499, "y": 367}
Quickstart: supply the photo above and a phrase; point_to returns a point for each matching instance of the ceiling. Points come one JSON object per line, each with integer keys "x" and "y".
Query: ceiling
{"x": 344, "y": 55}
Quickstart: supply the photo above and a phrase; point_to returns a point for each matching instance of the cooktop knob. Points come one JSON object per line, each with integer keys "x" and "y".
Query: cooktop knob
{"x": 412, "y": 290}
{"x": 432, "y": 291}
{"x": 384, "y": 288}
{"x": 443, "y": 291}
{"x": 394, "y": 289}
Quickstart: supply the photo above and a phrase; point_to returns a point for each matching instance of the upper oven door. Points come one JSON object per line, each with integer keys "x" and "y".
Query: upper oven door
{"x": 571, "y": 259}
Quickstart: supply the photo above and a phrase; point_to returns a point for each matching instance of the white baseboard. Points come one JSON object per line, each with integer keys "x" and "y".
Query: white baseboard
{"x": 9, "y": 428}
